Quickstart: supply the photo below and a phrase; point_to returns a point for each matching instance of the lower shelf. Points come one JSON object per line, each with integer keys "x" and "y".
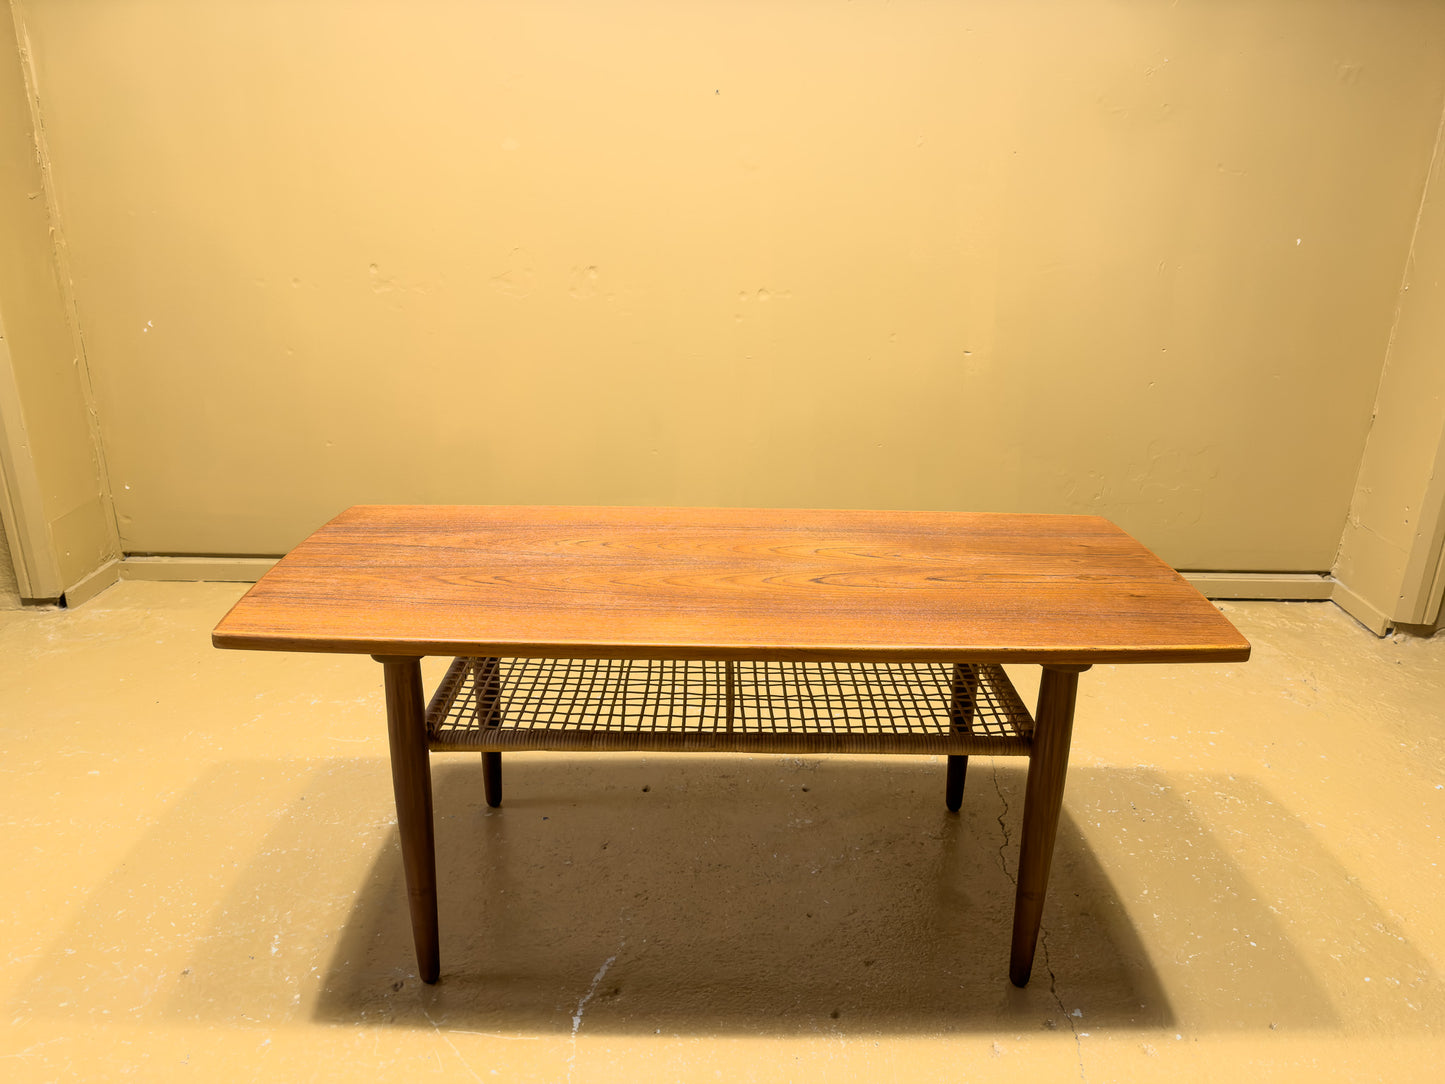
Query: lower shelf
{"x": 623, "y": 705}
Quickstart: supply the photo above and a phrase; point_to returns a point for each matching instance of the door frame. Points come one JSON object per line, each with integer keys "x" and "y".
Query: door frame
{"x": 22, "y": 502}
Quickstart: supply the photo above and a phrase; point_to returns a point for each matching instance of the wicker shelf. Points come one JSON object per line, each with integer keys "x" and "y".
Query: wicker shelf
{"x": 495, "y": 705}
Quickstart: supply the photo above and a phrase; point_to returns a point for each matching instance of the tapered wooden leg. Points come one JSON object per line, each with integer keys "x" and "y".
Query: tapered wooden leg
{"x": 965, "y": 690}
{"x": 1043, "y": 800}
{"x": 492, "y": 778}
{"x": 411, "y": 779}
{"x": 489, "y": 714}
{"x": 953, "y": 786}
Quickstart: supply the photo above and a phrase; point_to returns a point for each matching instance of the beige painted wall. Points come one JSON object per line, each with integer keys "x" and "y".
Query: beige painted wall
{"x": 1138, "y": 259}
{"x": 54, "y": 485}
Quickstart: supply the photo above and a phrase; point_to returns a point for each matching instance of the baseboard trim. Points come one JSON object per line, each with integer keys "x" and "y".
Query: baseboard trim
{"x": 202, "y": 569}
{"x": 1374, "y": 619}
{"x": 1289, "y": 586}
{"x": 106, "y": 575}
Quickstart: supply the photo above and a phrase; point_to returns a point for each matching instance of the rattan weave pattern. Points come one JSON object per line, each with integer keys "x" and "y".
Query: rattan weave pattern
{"x": 623, "y": 704}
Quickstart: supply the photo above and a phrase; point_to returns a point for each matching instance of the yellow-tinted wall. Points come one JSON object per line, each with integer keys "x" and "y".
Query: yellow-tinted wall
{"x": 1131, "y": 258}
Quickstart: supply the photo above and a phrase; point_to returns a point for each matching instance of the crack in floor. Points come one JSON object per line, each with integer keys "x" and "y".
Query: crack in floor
{"x": 1003, "y": 827}
{"x": 1054, "y": 989}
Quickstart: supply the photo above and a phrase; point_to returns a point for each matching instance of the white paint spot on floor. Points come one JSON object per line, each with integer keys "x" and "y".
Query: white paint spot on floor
{"x": 591, "y": 990}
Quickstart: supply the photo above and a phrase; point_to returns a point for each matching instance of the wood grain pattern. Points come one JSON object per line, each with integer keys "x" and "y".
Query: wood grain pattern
{"x": 728, "y": 584}
{"x": 1043, "y": 801}
{"x": 411, "y": 782}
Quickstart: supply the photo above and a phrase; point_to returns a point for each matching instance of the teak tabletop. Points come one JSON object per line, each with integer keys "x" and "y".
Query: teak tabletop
{"x": 933, "y": 598}
{"x": 707, "y": 583}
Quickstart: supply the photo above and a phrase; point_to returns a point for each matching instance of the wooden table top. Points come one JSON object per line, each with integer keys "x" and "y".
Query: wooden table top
{"x": 727, "y": 583}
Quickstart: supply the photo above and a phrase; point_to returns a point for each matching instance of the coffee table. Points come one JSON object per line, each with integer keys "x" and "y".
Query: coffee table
{"x": 732, "y": 630}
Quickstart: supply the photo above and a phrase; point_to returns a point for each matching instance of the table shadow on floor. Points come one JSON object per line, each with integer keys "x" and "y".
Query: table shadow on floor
{"x": 729, "y": 895}
{"x": 711, "y": 895}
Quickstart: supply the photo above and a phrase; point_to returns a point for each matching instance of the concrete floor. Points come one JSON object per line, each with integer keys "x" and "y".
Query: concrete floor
{"x": 203, "y": 880}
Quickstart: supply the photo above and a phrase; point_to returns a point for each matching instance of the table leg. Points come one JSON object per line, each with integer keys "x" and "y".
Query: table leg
{"x": 411, "y": 779}
{"x": 1043, "y": 800}
{"x": 489, "y": 711}
{"x": 965, "y": 692}
{"x": 953, "y": 784}
{"x": 492, "y": 778}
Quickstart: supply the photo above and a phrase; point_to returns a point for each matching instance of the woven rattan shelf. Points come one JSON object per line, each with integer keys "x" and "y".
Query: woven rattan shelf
{"x": 487, "y": 704}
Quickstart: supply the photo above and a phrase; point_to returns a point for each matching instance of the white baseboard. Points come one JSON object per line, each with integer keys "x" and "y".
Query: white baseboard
{"x": 206, "y": 569}
{"x": 173, "y": 569}
{"x": 90, "y": 586}
{"x": 1263, "y": 585}
{"x": 1374, "y": 619}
